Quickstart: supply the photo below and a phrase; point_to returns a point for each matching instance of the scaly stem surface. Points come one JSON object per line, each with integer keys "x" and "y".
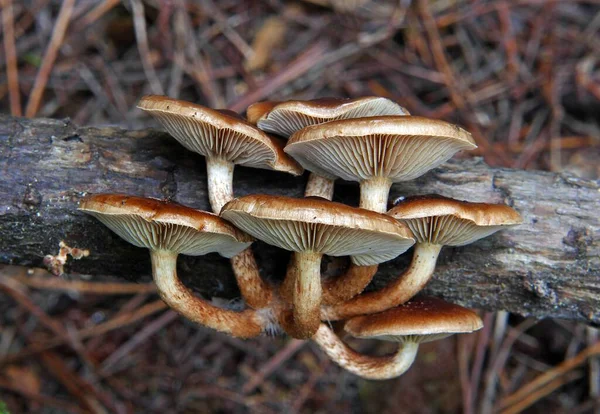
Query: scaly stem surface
{"x": 397, "y": 292}
{"x": 245, "y": 324}
{"x": 255, "y": 291}
{"x": 369, "y": 367}
{"x": 306, "y": 297}
{"x": 348, "y": 285}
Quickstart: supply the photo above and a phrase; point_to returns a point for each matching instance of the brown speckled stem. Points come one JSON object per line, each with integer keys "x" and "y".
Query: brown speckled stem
{"x": 398, "y": 291}
{"x": 245, "y": 324}
{"x": 369, "y": 367}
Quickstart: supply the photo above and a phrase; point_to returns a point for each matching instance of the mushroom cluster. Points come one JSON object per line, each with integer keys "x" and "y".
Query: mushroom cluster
{"x": 371, "y": 140}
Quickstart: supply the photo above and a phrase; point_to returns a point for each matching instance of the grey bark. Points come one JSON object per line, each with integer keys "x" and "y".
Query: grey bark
{"x": 547, "y": 267}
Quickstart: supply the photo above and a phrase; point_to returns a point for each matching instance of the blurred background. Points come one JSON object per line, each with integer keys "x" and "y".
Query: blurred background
{"x": 522, "y": 76}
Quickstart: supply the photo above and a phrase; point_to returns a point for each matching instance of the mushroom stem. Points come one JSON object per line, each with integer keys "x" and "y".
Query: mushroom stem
{"x": 307, "y": 293}
{"x": 245, "y": 324}
{"x": 255, "y": 291}
{"x": 220, "y": 182}
{"x": 399, "y": 291}
{"x": 374, "y": 194}
{"x": 369, "y": 367}
{"x": 348, "y": 285}
{"x": 318, "y": 186}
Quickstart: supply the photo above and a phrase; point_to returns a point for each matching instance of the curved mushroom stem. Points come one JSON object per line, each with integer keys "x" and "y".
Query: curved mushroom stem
{"x": 335, "y": 290}
{"x": 255, "y": 291}
{"x": 374, "y": 194}
{"x": 220, "y": 182}
{"x": 306, "y": 298}
{"x": 245, "y": 324}
{"x": 348, "y": 285}
{"x": 318, "y": 186}
{"x": 369, "y": 367}
{"x": 396, "y": 293}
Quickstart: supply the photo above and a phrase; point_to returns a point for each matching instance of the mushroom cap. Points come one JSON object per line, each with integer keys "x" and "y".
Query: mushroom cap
{"x": 217, "y": 133}
{"x": 317, "y": 225}
{"x": 440, "y": 220}
{"x": 163, "y": 225}
{"x": 285, "y": 118}
{"x": 422, "y": 319}
{"x": 400, "y": 148}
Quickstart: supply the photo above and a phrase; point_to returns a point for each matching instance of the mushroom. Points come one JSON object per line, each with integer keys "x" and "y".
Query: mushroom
{"x": 286, "y": 118}
{"x": 435, "y": 221}
{"x": 418, "y": 321}
{"x": 225, "y": 140}
{"x": 312, "y": 227}
{"x": 167, "y": 230}
{"x": 377, "y": 151}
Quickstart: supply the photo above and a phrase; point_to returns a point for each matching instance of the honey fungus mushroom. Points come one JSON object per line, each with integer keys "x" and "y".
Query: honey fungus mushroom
{"x": 225, "y": 140}
{"x": 377, "y": 151}
{"x": 421, "y": 320}
{"x": 312, "y": 227}
{"x": 286, "y": 118}
{"x": 167, "y": 230}
{"x": 435, "y": 221}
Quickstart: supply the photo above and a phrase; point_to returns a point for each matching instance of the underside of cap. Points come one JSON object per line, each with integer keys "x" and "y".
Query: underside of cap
{"x": 445, "y": 221}
{"x": 161, "y": 225}
{"x": 214, "y": 133}
{"x": 400, "y": 148}
{"x": 319, "y": 226}
{"x": 285, "y": 118}
{"x": 421, "y": 316}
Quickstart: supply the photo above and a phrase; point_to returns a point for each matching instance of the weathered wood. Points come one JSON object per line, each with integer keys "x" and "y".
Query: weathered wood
{"x": 549, "y": 266}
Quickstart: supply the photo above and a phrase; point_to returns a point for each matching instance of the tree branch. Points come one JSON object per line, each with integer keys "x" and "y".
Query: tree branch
{"x": 549, "y": 266}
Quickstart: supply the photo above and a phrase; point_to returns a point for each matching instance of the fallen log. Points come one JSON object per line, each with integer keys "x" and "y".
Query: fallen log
{"x": 547, "y": 267}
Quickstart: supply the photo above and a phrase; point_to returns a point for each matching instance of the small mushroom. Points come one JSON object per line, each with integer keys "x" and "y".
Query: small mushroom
{"x": 435, "y": 221}
{"x": 286, "y": 118}
{"x": 167, "y": 230}
{"x": 377, "y": 151}
{"x": 312, "y": 227}
{"x": 420, "y": 320}
{"x": 224, "y": 139}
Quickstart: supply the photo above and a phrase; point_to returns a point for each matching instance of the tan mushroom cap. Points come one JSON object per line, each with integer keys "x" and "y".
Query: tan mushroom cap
{"x": 318, "y": 225}
{"x": 400, "y": 148}
{"x": 285, "y": 118}
{"x": 440, "y": 220}
{"x": 214, "y": 133}
{"x": 422, "y": 319}
{"x": 162, "y": 225}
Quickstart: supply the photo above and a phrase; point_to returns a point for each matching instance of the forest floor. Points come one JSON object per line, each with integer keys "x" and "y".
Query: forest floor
{"x": 522, "y": 76}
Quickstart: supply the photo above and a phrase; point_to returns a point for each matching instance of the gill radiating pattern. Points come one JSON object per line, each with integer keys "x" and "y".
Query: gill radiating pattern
{"x": 286, "y": 122}
{"x": 167, "y": 236}
{"x": 401, "y": 158}
{"x": 297, "y": 236}
{"x": 222, "y": 142}
{"x": 417, "y": 339}
{"x": 447, "y": 230}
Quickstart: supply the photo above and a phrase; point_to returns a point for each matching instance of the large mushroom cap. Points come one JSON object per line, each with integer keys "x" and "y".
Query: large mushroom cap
{"x": 400, "y": 148}
{"x": 214, "y": 133}
{"x": 440, "y": 220}
{"x": 162, "y": 225}
{"x": 285, "y": 118}
{"x": 318, "y": 225}
{"x": 422, "y": 319}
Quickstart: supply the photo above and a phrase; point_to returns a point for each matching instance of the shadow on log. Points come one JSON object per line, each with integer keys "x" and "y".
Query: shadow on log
{"x": 547, "y": 267}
